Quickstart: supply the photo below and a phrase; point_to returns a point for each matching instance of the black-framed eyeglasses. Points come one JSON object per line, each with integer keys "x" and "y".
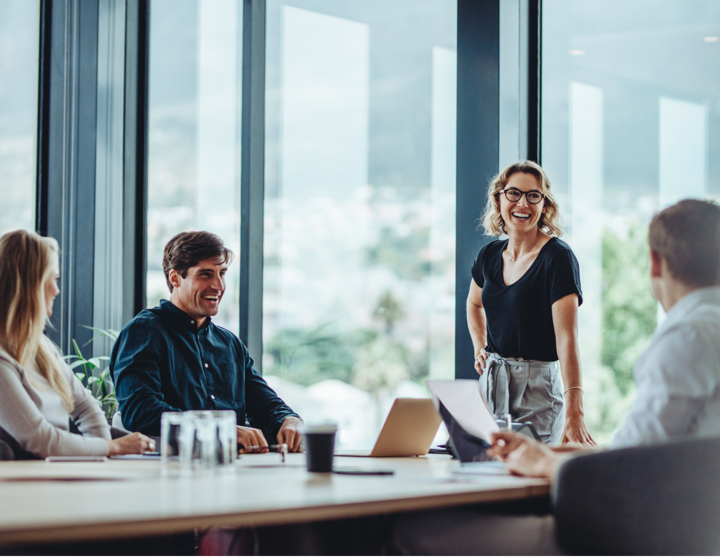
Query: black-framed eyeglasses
{"x": 514, "y": 195}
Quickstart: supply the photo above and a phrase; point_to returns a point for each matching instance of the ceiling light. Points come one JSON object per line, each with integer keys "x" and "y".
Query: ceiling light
{"x": 581, "y": 52}
{"x": 711, "y": 39}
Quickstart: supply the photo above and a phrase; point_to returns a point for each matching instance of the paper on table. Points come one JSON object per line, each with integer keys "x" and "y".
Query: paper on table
{"x": 483, "y": 468}
{"x": 462, "y": 398}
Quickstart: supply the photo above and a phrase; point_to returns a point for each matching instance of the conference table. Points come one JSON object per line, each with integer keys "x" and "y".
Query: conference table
{"x": 49, "y": 503}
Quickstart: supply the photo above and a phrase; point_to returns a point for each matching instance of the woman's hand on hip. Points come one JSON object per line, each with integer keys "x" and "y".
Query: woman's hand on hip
{"x": 576, "y": 431}
{"x": 481, "y": 358}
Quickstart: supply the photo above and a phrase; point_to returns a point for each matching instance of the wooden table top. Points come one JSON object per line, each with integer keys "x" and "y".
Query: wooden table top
{"x": 65, "y": 502}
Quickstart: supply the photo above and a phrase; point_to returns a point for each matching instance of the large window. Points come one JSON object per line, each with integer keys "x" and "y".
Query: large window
{"x": 630, "y": 124}
{"x": 194, "y": 134}
{"x": 19, "y": 27}
{"x": 359, "y": 244}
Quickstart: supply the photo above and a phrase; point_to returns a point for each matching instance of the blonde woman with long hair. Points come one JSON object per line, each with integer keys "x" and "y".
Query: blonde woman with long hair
{"x": 522, "y": 309}
{"x": 38, "y": 391}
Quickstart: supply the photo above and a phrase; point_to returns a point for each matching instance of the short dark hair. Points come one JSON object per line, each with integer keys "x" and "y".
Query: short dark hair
{"x": 687, "y": 235}
{"x": 187, "y": 249}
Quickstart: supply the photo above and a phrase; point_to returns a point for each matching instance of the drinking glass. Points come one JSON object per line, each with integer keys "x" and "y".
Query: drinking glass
{"x": 226, "y": 438}
{"x": 173, "y": 427}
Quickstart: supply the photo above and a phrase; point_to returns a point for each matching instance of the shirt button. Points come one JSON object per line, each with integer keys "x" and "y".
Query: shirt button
{"x": 212, "y": 397}
{"x": 192, "y": 321}
{"x": 206, "y": 365}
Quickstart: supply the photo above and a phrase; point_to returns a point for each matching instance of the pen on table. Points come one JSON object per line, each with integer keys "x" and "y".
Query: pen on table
{"x": 277, "y": 447}
{"x": 282, "y": 449}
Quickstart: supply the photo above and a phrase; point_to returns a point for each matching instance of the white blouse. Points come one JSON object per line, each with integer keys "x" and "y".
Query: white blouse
{"x": 34, "y": 415}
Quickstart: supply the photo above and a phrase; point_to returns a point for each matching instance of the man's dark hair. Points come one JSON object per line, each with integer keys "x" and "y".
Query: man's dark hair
{"x": 687, "y": 235}
{"x": 187, "y": 249}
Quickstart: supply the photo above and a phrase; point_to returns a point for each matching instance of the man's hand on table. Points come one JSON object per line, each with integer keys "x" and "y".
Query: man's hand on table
{"x": 523, "y": 456}
{"x": 248, "y": 437}
{"x": 290, "y": 433}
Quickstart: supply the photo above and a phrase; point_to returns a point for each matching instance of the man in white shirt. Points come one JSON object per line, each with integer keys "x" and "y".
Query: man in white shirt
{"x": 678, "y": 389}
{"x": 678, "y": 375}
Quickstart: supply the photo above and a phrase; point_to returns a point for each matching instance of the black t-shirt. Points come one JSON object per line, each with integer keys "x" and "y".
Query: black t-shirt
{"x": 519, "y": 316}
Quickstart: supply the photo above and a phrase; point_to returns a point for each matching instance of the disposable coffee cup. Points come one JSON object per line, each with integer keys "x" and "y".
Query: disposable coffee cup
{"x": 319, "y": 440}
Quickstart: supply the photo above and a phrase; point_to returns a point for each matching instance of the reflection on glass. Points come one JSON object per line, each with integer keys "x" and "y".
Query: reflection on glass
{"x": 19, "y": 28}
{"x": 194, "y": 134}
{"x": 359, "y": 241}
{"x": 631, "y": 121}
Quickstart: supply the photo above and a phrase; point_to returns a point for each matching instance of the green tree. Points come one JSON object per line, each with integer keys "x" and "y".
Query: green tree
{"x": 629, "y": 309}
{"x": 389, "y": 310}
{"x": 380, "y": 365}
{"x": 310, "y": 356}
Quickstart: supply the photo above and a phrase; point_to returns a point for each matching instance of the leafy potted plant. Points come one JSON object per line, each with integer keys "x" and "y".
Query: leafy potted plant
{"x": 95, "y": 373}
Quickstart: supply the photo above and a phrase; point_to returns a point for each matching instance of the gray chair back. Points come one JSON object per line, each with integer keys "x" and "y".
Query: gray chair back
{"x": 6, "y": 452}
{"x": 657, "y": 499}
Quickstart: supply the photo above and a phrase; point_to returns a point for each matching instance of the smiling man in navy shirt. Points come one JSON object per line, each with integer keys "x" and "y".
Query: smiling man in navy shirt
{"x": 173, "y": 358}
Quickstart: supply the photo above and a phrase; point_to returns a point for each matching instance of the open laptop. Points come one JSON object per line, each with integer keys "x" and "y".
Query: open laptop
{"x": 409, "y": 430}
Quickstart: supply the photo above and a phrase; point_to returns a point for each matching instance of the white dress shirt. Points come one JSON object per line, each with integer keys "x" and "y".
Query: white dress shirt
{"x": 678, "y": 375}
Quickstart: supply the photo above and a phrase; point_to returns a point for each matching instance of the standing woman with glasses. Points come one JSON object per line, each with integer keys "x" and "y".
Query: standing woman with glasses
{"x": 522, "y": 309}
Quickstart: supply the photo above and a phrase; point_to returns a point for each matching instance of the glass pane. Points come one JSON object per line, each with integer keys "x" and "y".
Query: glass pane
{"x": 109, "y": 173}
{"x": 359, "y": 277}
{"x": 630, "y": 123}
{"x": 194, "y": 134}
{"x": 19, "y": 40}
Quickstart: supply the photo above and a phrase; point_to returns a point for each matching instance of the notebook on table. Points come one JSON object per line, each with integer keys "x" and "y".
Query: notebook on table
{"x": 409, "y": 430}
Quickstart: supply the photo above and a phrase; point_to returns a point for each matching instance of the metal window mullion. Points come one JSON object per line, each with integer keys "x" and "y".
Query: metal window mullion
{"x": 478, "y": 137}
{"x": 534, "y": 80}
{"x": 252, "y": 177}
{"x": 137, "y": 52}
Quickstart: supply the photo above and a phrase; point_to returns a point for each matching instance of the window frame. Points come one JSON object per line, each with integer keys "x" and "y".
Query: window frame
{"x": 72, "y": 89}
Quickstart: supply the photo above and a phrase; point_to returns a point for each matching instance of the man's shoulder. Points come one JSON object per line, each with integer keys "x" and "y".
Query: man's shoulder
{"x": 701, "y": 322}
{"x": 683, "y": 352}
{"x": 705, "y": 315}
{"x": 144, "y": 319}
{"x": 146, "y": 328}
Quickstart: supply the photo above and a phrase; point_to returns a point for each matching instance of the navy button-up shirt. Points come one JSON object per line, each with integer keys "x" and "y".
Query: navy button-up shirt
{"x": 162, "y": 362}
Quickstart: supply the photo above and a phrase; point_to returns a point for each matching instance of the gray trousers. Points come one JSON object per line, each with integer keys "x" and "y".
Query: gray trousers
{"x": 529, "y": 390}
{"x": 468, "y": 531}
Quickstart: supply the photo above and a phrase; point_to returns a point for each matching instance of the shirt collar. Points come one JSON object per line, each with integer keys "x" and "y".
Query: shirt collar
{"x": 181, "y": 317}
{"x": 689, "y": 302}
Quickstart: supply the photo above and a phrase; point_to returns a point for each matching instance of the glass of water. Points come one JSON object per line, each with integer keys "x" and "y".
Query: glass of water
{"x": 173, "y": 428}
{"x": 196, "y": 441}
{"x": 226, "y": 438}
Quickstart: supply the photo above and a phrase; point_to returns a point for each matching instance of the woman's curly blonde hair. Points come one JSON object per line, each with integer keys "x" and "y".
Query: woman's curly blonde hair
{"x": 492, "y": 220}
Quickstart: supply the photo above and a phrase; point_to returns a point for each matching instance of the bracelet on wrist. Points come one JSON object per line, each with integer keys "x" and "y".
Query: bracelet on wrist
{"x": 574, "y": 387}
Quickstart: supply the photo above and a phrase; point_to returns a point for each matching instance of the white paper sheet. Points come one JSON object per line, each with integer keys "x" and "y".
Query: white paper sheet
{"x": 463, "y": 400}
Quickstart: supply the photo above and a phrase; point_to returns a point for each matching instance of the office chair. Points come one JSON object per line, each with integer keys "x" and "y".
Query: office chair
{"x": 655, "y": 499}
{"x": 6, "y": 452}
